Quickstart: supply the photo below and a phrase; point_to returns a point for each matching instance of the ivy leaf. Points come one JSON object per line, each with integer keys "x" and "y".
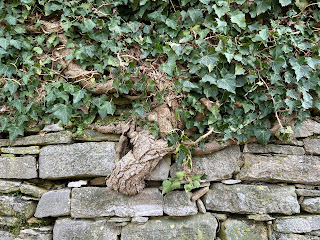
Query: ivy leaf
{"x": 210, "y": 61}
{"x": 238, "y": 18}
{"x": 263, "y": 135}
{"x": 4, "y": 123}
{"x": 301, "y": 71}
{"x": 239, "y": 70}
{"x": 62, "y": 112}
{"x": 313, "y": 62}
{"x": 106, "y": 108}
{"x": 15, "y": 131}
{"x": 89, "y": 25}
{"x": 263, "y": 6}
{"x": 212, "y": 79}
{"x": 38, "y": 50}
{"x": 4, "y": 43}
{"x": 168, "y": 186}
{"x": 227, "y": 82}
{"x": 77, "y": 96}
{"x": 284, "y": 2}
{"x": 11, "y": 86}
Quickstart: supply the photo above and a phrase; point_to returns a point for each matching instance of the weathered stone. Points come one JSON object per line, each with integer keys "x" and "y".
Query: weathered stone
{"x": 236, "y": 229}
{"x": 308, "y": 192}
{"x": 260, "y": 217}
{"x": 294, "y": 142}
{"x": 292, "y": 168}
{"x": 78, "y": 184}
{"x": 292, "y": 236}
{"x": 200, "y": 226}
{"x": 161, "y": 171}
{"x": 178, "y": 203}
{"x": 4, "y": 142}
{"x": 99, "y": 181}
{"x": 119, "y": 224}
{"x": 94, "y": 136}
{"x": 9, "y": 221}
{"x": 308, "y": 128}
{"x": 43, "y": 233}
{"x": 18, "y": 167}
{"x": 119, "y": 219}
{"x": 90, "y": 202}
{"x": 21, "y": 150}
{"x": 311, "y": 205}
{"x": 54, "y": 204}
{"x": 297, "y": 185}
{"x": 47, "y": 139}
{"x": 52, "y": 128}
{"x": 273, "y": 148}
{"x": 312, "y": 146}
{"x": 139, "y": 220}
{"x": 220, "y": 216}
{"x": 7, "y": 186}
{"x": 7, "y": 155}
{"x": 67, "y": 229}
{"x": 76, "y": 160}
{"x": 297, "y": 224}
{"x": 199, "y": 193}
{"x": 201, "y": 207}
{"x": 6, "y": 235}
{"x": 218, "y": 166}
{"x": 241, "y": 198}
{"x": 315, "y": 233}
{"x": 231, "y": 181}
{"x": 32, "y": 190}
{"x": 14, "y": 206}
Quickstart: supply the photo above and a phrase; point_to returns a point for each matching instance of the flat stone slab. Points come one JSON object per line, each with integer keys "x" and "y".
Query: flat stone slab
{"x": 91, "y": 202}
{"x": 4, "y": 142}
{"x": 308, "y": 192}
{"x": 277, "y": 168}
{"x": 6, "y": 235}
{"x": 54, "y": 204}
{"x": 297, "y": 224}
{"x": 89, "y": 159}
{"x": 308, "y": 128}
{"x": 218, "y": 166}
{"x": 273, "y": 148}
{"x": 232, "y": 229}
{"x": 47, "y": 139}
{"x": 9, "y": 221}
{"x": 21, "y": 150}
{"x": 252, "y": 199}
{"x": 312, "y": 146}
{"x": 18, "y": 167}
{"x": 311, "y": 205}
{"x": 67, "y": 229}
{"x": 32, "y": 190}
{"x": 14, "y": 206}
{"x": 161, "y": 171}
{"x": 94, "y": 136}
{"x": 43, "y": 233}
{"x": 178, "y": 203}
{"x": 200, "y": 226}
{"x": 292, "y": 236}
{"x": 7, "y": 186}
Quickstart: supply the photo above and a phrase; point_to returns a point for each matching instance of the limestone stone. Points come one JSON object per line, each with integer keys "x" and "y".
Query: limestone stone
{"x": 54, "y": 204}
{"x": 196, "y": 227}
{"x": 43, "y": 233}
{"x": 308, "y": 192}
{"x": 240, "y": 229}
{"x": 46, "y": 139}
{"x": 91, "y": 202}
{"x": 277, "y": 168}
{"x": 311, "y": 205}
{"x": 178, "y": 203}
{"x": 4, "y": 142}
{"x": 78, "y": 184}
{"x": 21, "y": 150}
{"x": 292, "y": 236}
{"x": 297, "y": 224}
{"x": 201, "y": 207}
{"x": 18, "y": 167}
{"x": 308, "y": 128}
{"x": 14, "y": 206}
{"x": 32, "y": 190}
{"x": 273, "y": 148}
{"x": 252, "y": 199}
{"x": 6, "y": 235}
{"x": 294, "y": 142}
{"x": 94, "y": 136}
{"x": 315, "y": 233}
{"x": 52, "y": 128}
{"x": 9, "y": 221}
{"x": 218, "y": 166}
{"x": 99, "y": 181}
{"x": 312, "y": 146}
{"x": 220, "y": 216}
{"x": 76, "y": 160}
{"x": 161, "y": 171}
{"x": 231, "y": 181}
{"x": 199, "y": 193}
{"x": 67, "y": 229}
{"x": 119, "y": 219}
{"x": 139, "y": 220}
{"x": 7, "y": 155}
{"x": 260, "y": 217}
{"x": 7, "y": 186}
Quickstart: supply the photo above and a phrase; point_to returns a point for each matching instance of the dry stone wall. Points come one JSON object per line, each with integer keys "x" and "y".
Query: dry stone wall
{"x": 52, "y": 186}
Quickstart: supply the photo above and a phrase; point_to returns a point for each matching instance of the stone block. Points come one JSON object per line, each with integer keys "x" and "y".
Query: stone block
{"x": 46, "y": 139}
{"x": 240, "y": 229}
{"x": 308, "y": 192}
{"x": 94, "y": 136}
{"x": 91, "y": 202}
{"x": 218, "y": 166}
{"x": 292, "y": 236}
{"x": 297, "y": 224}
{"x": 78, "y": 184}
{"x": 18, "y": 167}
{"x": 43, "y": 233}
{"x": 9, "y": 221}
{"x": 21, "y": 150}
{"x": 54, "y": 204}
{"x": 161, "y": 171}
{"x": 7, "y": 186}
{"x": 76, "y": 160}
{"x": 277, "y": 168}
{"x": 311, "y": 205}
{"x": 32, "y": 190}
{"x": 16, "y": 207}
{"x": 68, "y": 229}
{"x": 6, "y": 236}
{"x": 4, "y": 142}
{"x": 308, "y": 128}
{"x": 178, "y": 203}
{"x": 312, "y": 146}
{"x": 273, "y": 148}
{"x": 196, "y": 227}
{"x": 252, "y": 199}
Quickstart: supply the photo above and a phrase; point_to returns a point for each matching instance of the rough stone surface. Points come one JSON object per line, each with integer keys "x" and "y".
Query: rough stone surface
{"x": 201, "y": 207}
{"x": 139, "y": 220}
{"x": 6, "y": 235}
{"x": 78, "y": 184}
{"x": 21, "y": 150}
{"x": 54, "y": 203}
{"x": 236, "y": 229}
{"x": 297, "y": 224}
{"x": 231, "y": 181}
{"x": 260, "y": 217}
{"x": 90, "y": 202}
{"x": 99, "y": 181}
{"x": 241, "y": 198}
{"x": 18, "y": 167}
{"x": 76, "y": 160}
{"x": 292, "y": 236}
{"x": 43, "y": 233}
{"x": 69, "y": 229}
{"x": 9, "y": 221}
{"x": 4, "y": 142}
{"x": 178, "y": 203}
{"x": 161, "y": 171}
{"x": 308, "y": 192}
{"x": 200, "y": 226}
{"x": 119, "y": 219}
{"x": 220, "y": 216}
{"x": 7, "y": 186}
{"x": 14, "y": 206}
{"x": 199, "y": 193}
{"x": 32, "y": 190}
{"x": 52, "y": 128}
{"x": 273, "y": 148}
{"x": 292, "y": 168}
{"x": 312, "y": 146}
{"x": 47, "y": 139}
{"x": 218, "y": 166}
{"x": 308, "y": 128}
{"x": 311, "y": 205}
{"x": 94, "y": 136}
